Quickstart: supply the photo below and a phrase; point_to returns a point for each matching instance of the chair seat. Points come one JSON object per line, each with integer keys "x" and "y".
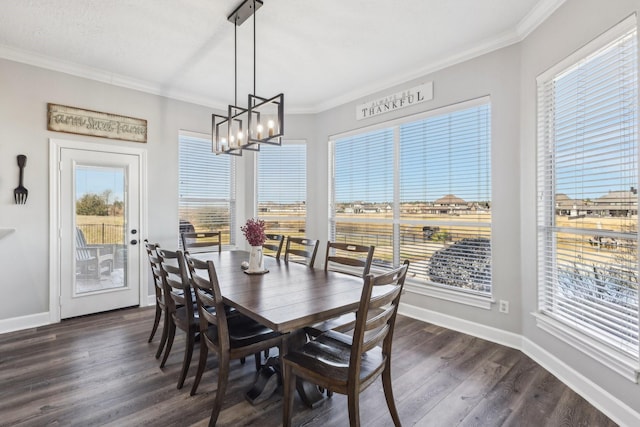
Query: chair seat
{"x": 330, "y": 354}
{"x": 243, "y": 331}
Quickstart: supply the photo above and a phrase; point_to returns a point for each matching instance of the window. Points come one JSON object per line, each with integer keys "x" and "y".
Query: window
{"x": 206, "y": 188}
{"x": 587, "y": 197}
{"x": 420, "y": 189}
{"x": 282, "y": 187}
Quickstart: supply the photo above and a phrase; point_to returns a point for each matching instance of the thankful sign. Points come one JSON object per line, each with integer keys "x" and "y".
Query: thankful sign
{"x": 396, "y": 101}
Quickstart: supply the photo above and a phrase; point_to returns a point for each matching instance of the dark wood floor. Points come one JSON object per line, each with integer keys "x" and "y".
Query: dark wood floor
{"x": 100, "y": 370}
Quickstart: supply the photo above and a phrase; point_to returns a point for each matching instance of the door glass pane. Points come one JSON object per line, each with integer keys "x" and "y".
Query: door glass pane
{"x": 100, "y": 249}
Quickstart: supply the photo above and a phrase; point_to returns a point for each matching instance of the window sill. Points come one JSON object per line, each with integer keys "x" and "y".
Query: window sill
{"x": 472, "y": 300}
{"x": 614, "y": 360}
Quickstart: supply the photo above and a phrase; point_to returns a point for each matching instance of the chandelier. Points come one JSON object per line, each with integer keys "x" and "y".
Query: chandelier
{"x": 262, "y": 120}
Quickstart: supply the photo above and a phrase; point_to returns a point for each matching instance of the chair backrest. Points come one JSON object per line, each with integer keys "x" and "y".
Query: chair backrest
{"x": 154, "y": 262}
{"x": 175, "y": 281}
{"x": 273, "y": 245}
{"x": 301, "y": 249}
{"x": 340, "y": 255}
{"x": 376, "y": 316}
{"x": 82, "y": 253}
{"x": 205, "y": 241}
{"x": 207, "y": 289}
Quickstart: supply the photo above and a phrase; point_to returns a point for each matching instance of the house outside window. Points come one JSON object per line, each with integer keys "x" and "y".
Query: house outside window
{"x": 588, "y": 200}
{"x": 420, "y": 189}
{"x": 282, "y": 187}
{"x": 207, "y": 198}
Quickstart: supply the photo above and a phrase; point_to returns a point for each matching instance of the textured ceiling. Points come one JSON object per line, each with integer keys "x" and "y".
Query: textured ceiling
{"x": 320, "y": 53}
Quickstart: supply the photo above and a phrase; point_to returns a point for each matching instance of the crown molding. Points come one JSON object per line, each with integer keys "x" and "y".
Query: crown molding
{"x": 538, "y": 14}
{"x": 66, "y": 67}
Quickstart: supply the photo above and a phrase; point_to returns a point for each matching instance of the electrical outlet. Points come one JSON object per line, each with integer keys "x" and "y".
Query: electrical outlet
{"x": 504, "y": 306}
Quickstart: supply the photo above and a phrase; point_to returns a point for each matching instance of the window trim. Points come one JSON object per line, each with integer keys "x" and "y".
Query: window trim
{"x": 461, "y": 296}
{"x": 599, "y": 351}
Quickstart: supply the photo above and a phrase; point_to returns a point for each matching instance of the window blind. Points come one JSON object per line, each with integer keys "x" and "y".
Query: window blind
{"x": 420, "y": 189}
{"x": 282, "y": 187}
{"x": 206, "y": 188}
{"x": 587, "y": 186}
{"x": 362, "y": 192}
{"x": 445, "y": 193}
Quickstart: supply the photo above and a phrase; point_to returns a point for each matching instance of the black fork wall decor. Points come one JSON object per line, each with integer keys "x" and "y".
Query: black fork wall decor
{"x": 20, "y": 193}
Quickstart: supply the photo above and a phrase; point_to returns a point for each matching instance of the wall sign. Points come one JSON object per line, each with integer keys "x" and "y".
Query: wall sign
{"x": 61, "y": 118}
{"x": 396, "y": 101}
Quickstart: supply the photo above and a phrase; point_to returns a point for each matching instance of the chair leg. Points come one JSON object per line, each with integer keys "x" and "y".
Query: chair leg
{"x": 353, "y": 403}
{"x": 171, "y": 335}
{"x": 156, "y": 322}
{"x": 289, "y": 381}
{"x": 163, "y": 338}
{"x": 388, "y": 394}
{"x": 202, "y": 363}
{"x": 188, "y": 353}
{"x": 258, "y": 358}
{"x": 223, "y": 377}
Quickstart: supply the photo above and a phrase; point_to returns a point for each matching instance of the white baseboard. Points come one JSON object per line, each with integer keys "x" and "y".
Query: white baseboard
{"x": 24, "y": 322}
{"x": 40, "y": 319}
{"x": 477, "y": 330}
{"x": 618, "y": 411}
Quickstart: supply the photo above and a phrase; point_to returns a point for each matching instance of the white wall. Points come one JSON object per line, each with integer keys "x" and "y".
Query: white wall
{"x": 497, "y": 75}
{"x": 507, "y": 76}
{"x": 572, "y": 26}
{"x": 25, "y": 91}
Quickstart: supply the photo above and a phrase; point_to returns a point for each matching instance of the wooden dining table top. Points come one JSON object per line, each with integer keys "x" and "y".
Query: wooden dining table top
{"x": 287, "y": 298}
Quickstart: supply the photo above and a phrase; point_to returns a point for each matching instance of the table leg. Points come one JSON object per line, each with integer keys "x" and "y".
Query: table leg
{"x": 270, "y": 376}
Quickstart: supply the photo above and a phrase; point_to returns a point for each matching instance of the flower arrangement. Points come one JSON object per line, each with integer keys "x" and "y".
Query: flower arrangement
{"x": 253, "y": 230}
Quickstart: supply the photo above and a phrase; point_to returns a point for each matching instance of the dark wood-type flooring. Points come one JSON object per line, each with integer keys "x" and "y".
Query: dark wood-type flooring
{"x": 100, "y": 370}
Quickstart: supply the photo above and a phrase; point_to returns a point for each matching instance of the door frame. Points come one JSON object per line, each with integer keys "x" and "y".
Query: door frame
{"x": 55, "y": 147}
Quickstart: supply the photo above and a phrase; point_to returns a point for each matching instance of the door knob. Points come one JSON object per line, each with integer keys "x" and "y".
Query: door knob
{"x": 134, "y": 242}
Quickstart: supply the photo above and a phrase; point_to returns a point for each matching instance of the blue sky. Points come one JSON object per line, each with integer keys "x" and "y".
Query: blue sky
{"x": 94, "y": 179}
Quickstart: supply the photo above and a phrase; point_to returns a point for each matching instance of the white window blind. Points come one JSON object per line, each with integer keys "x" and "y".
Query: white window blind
{"x": 282, "y": 187}
{"x": 445, "y": 193}
{"x": 206, "y": 188}
{"x": 362, "y": 183}
{"x": 587, "y": 188}
{"x": 420, "y": 189}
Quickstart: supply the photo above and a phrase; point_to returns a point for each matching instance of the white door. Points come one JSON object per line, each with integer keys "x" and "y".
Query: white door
{"x": 99, "y": 237}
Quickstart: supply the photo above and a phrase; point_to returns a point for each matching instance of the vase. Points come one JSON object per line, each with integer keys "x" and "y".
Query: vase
{"x": 256, "y": 261}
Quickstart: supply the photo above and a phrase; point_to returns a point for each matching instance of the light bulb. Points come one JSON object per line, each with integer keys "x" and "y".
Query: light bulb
{"x": 270, "y": 125}
{"x": 240, "y": 135}
{"x": 260, "y": 128}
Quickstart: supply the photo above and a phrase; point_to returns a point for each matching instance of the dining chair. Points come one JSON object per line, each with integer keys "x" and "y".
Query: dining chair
{"x": 349, "y": 364}
{"x": 180, "y": 306}
{"x": 273, "y": 245}
{"x": 229, "y": 337}
{"x": 161, "y": 306}
{"x": 301, "y": 250}
{"x": 350, "y": 259}
{"x": 205, "y": 241}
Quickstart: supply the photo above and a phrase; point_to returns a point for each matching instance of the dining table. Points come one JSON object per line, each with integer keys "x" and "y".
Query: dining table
{"x": 285, "y": 297}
